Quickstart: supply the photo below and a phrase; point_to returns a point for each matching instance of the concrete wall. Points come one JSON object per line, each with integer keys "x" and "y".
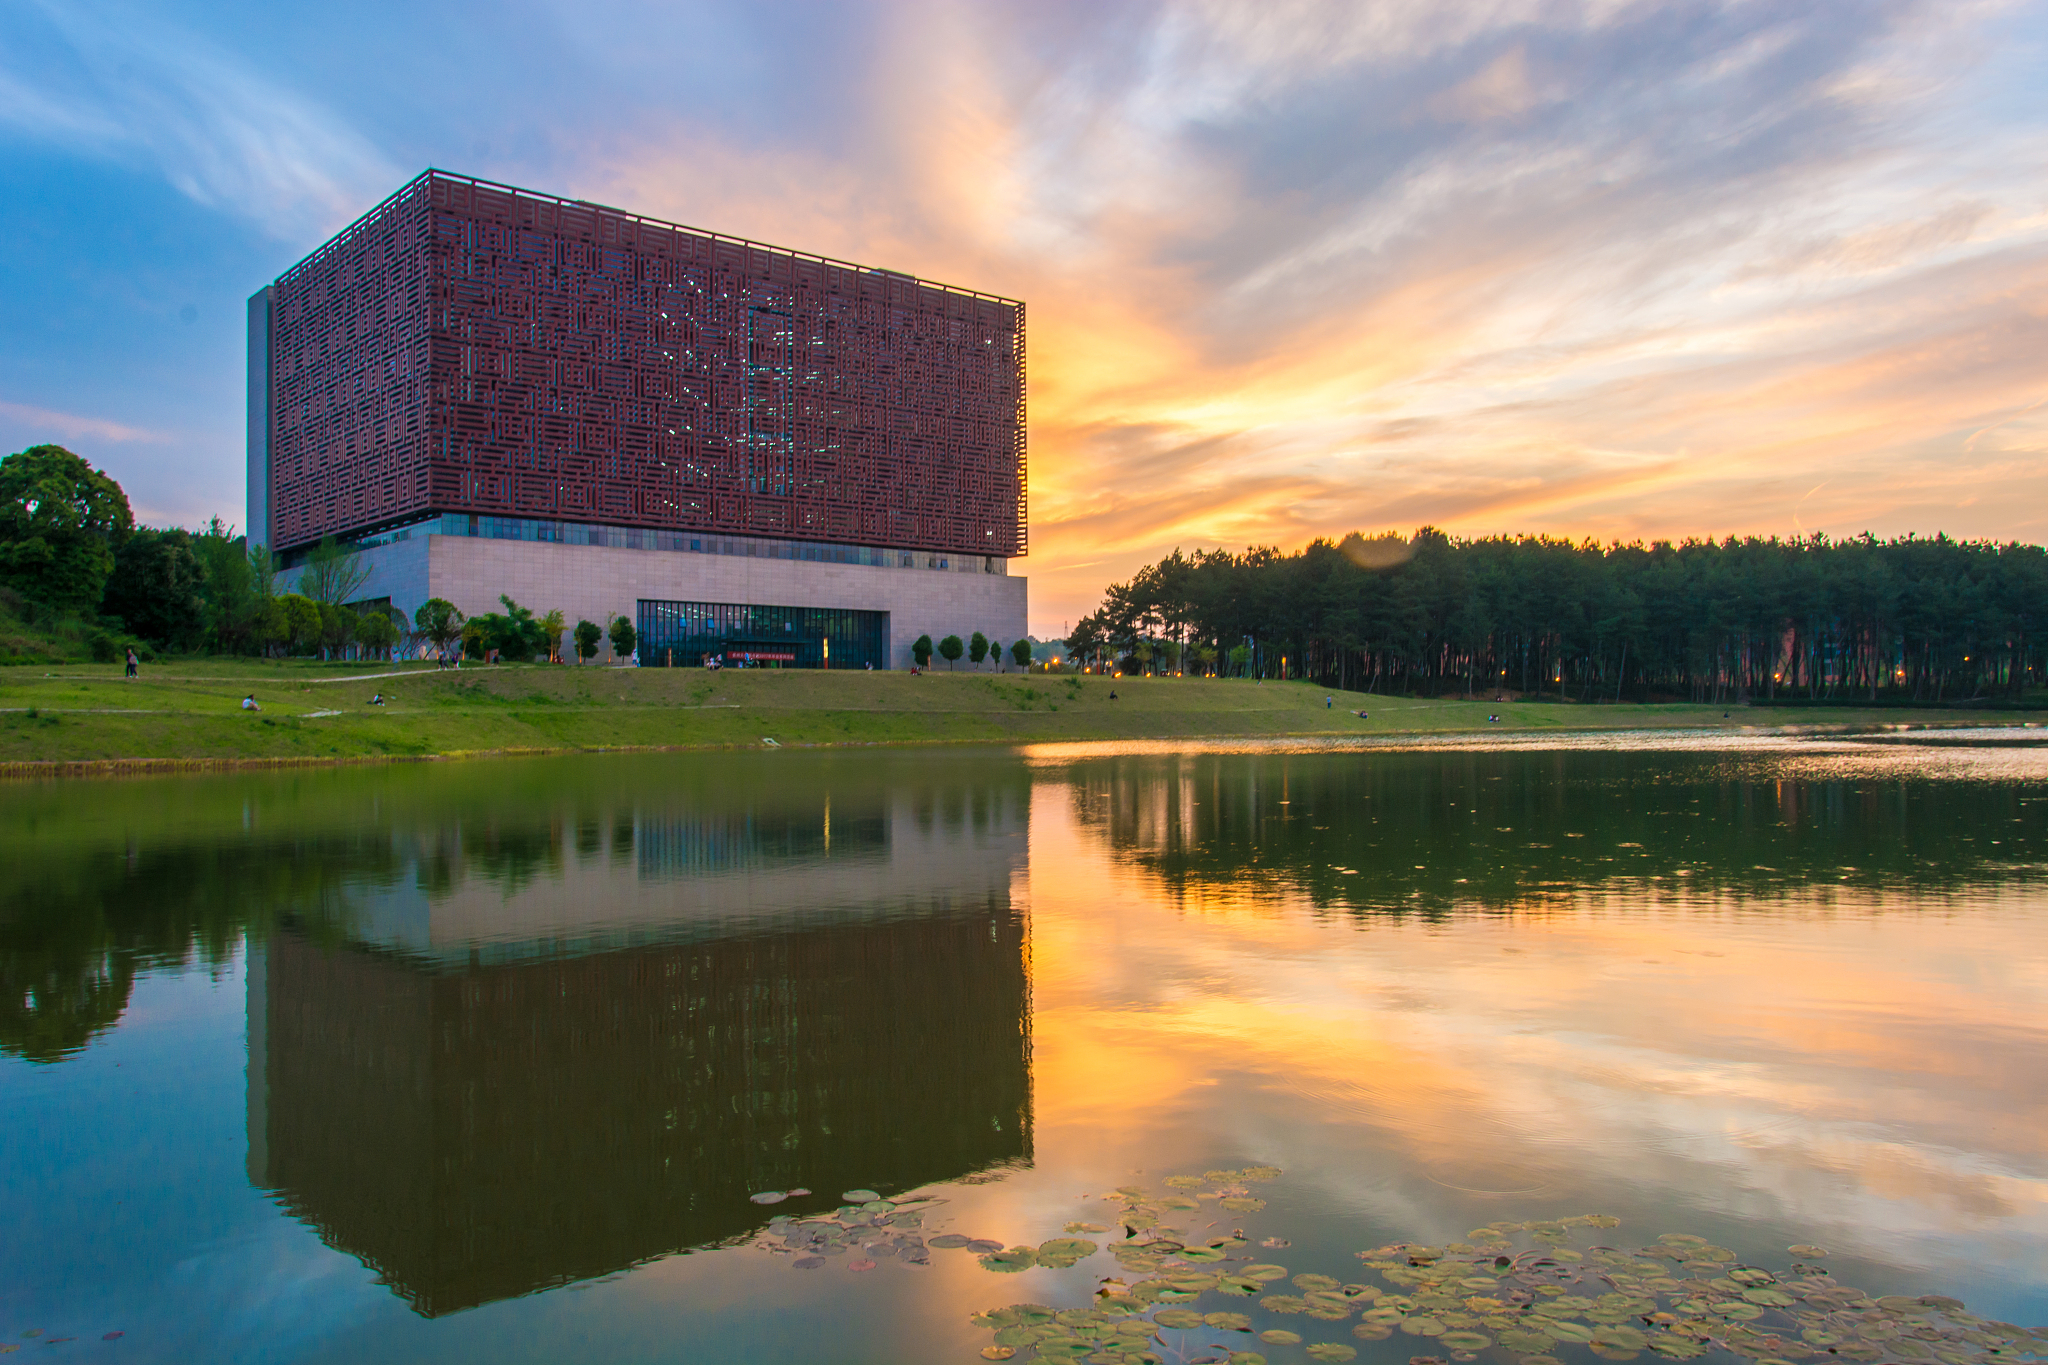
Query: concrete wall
{"x": 596, "y": 582}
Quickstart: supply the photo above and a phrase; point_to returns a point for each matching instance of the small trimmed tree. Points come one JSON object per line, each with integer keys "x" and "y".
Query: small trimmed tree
{"x": 587, "y": 636}
{"x": 551, "y": 627}
{"x": 1020, "y": 653}
{"x": 439, "y": 623}
{"x": 921, "y": 652}
{"x": 624, "y": 636}
{"x": 950, "y": 649}
{"x": 977, "y": 648}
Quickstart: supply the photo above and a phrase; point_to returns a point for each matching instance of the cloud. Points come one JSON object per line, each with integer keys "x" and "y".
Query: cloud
{"x": 125, "y": 85}
{"x": 75, "y": 428}
{"x": 1609, "y": 267}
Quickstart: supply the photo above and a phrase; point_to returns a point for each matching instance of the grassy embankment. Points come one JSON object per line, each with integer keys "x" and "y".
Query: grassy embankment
{"x": 189, "y": 710}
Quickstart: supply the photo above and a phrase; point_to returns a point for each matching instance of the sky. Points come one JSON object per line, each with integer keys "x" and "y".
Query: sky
{"x": 1292, "y": 268}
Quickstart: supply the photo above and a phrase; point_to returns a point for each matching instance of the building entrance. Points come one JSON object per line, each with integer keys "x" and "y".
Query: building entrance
{"x": 686, "y": 634}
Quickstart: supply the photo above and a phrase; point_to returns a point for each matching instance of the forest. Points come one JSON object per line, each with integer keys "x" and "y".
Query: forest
{"x": 1909, "y": 620}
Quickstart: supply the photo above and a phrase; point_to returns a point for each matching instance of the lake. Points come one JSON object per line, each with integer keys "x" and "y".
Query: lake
{"x": 1560, "y": 1050}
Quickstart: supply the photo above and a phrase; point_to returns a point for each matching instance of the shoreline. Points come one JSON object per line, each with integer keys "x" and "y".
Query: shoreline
{"x": 109, "y": 768}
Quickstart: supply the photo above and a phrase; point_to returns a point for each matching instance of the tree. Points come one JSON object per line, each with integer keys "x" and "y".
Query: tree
{"x": 60, "y": 523}
{"x": 475, "y": 639}
{"x": 921, "y": 652}
{"x": 155, "y": 589}
{"x": 233, "y": 596}
{"x": 337, "y": 625}
{"x": 551, "y": 627}
{"x": 1020, "y": 653}
{"x": 1086, "y": 640}
{"x": 439, "y": 623}
{"x": 977, "y": 648}
{"x": 951, "y": 649}
{"x": 377, "y": 632}
{"x": 300, "y": 626}
{"x": 1240, "y": 656}
{"x": 587, "y": 636}
{"x": 623, "y": 636}
{"x": 513, "y": 632}
{"x": 333, "y": 572}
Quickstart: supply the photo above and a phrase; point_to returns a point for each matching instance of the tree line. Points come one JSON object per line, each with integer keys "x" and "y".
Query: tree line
{"x": 78, "y": 575}
{"x": 1798, "y": 620}
{"x": 976, "y": 648}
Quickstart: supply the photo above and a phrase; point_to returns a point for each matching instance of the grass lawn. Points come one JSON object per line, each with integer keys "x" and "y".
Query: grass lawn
{"x": 191, "y": 710}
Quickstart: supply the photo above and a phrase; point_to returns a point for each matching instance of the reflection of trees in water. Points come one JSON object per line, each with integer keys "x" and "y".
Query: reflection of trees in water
{"x": 1422, "y": 832}
{"x": 73, "y": 938}
{"x": 126, "y": 877}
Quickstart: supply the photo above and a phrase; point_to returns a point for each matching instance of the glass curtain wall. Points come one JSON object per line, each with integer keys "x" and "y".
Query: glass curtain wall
{"x": 687, "y": 634}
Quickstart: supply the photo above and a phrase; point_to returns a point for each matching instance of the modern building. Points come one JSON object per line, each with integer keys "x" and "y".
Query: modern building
{"x": 745, "y": 450}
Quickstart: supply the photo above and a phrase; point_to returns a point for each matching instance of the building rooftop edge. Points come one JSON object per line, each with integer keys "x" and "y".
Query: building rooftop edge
{"x": 434, "y": 173}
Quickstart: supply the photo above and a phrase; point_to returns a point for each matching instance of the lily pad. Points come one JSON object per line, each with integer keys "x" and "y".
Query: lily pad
{"x": 1280, "y": 1336}
{"x": 1265, "y": 1272}
{"x": 1246, "y": 1358}
{"x": 1085, "y": 1227}
{"x": 982, "y": 1246}
{"x": 998, "y": 1352}
{"x": 768, "y": 1197}
{"x": 1428, "y": 1327}
{"x": 947, "y": 1241}
{"x": 1620, "y": 1338}
{"x": 1242, "y": 1205}
{"x": 858, "y": 1196}
{"x": 1314, "y": 1282}
{"x": 1202, "y": 1254}
{"x": 1808, "y": 1252}
{"x": 1259, "y": 1173}
{"x": 1239, "y": 1285}
{"x": 1011, "y": 1261}
{"x": 1372, "y": 1331}
{"x": 1465, "y": 1341}
{"x": 1520, "y": 1339}
{"x": 1282, "y": 1303}
{"x": 1178, "y": 1319}
{"x": 1228, "y": 1322}
{"x": 1069, "y": 1249}
{"x": 1332, "y": 1350}
{"x": 1568, "y": 1331}
{"x": 1183, "y": 1182}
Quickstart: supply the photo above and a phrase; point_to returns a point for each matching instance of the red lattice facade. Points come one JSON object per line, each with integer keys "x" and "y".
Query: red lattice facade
{"x": 469, "y": 347}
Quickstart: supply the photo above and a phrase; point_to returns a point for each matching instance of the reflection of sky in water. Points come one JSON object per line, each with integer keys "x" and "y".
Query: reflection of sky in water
{"x": 1614, "y": 1006}
{"x": 1860, "y": 1067}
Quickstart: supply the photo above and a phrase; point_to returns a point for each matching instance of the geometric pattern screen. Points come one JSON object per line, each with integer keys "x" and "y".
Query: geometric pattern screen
{"x": 470, "y": 347}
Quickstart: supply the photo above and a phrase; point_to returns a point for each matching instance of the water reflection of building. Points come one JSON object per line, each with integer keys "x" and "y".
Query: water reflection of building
{"x": 480, "y": 1121}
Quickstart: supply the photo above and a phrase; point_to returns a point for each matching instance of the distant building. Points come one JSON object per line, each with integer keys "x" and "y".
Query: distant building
{"x": 745, "y": 450}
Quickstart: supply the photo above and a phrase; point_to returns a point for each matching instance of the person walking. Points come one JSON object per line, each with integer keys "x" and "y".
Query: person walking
{"x": 132, "y": 661}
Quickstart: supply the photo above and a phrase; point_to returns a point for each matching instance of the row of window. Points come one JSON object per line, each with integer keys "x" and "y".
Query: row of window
{"x": 695, "y": 542}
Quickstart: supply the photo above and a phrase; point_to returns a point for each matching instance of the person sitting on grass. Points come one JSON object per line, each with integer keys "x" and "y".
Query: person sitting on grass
{"x": 377, "y": 700}
{"x": 249, "y": 703}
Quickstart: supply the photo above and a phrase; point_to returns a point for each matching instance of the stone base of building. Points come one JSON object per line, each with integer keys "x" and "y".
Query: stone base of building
{"x": 597, "y": 583}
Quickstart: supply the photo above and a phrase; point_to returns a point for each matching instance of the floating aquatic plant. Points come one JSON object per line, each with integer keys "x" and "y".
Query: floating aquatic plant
{"x": 1519, "y": 1288}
